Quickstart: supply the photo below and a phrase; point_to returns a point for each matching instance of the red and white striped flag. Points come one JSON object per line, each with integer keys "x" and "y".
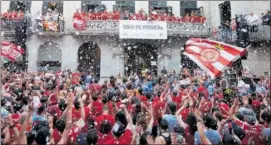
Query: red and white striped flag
{"x": 10, "y": 50}
{"x": 212, "y": 56}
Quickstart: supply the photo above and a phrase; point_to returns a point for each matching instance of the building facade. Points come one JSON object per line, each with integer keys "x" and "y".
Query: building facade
{"x": 100, "y": 45}
{"x": 100, "y": 48}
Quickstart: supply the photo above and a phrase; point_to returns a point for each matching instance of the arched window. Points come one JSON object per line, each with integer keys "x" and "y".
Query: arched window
{"x": 49, "y": 56}
{"x": 20, "y": 5}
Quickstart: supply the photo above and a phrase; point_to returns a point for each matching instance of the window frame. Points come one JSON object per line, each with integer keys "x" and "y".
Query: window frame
{"x": 45, "y": 7}
{"x": 14, "y": 4}
{"x": 125, "y": 4}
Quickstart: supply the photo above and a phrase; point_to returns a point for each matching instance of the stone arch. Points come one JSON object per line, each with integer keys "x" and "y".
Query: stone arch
{"x": 140, "y": 56}
{"x": 49, "y": 56}
{"x": 89, "y": 58}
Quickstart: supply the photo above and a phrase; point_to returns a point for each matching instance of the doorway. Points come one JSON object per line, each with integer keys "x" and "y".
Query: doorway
{"x": 140, "y": 57}
{"x": 225, "y": 12}
{"x": 89, "y": 58}
{"x": 49, "y": 57}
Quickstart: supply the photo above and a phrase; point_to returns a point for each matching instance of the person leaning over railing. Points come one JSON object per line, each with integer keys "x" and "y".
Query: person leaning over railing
{"x": 267, "y": 18}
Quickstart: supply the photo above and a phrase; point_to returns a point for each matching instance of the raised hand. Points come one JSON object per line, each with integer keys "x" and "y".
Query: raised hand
{"x": 31, "y": 107}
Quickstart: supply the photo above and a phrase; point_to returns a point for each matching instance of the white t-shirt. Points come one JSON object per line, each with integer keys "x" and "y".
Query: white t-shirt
{"x": 36, "y": 101}
{"x": 252, "y": 20}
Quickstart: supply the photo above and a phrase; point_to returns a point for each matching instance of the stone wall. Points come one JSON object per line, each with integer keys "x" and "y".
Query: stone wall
{"x": 258, "y": 60}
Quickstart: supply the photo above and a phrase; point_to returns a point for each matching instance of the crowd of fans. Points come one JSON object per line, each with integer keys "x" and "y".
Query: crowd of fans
{"x": 189, "y": 108}
{"x": 156, "y": 15}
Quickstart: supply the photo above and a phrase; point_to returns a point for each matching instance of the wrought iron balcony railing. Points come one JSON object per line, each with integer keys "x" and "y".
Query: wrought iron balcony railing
{"x": 9, "y": 25}
{"x": 48, "y": 28}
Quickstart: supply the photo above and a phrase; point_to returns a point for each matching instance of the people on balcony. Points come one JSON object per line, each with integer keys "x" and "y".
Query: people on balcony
{"x": 14, "y": 15}
{"x": 52, "y": 19}
{"x": 155, "y": 15}
{"x": 267, "y": 18}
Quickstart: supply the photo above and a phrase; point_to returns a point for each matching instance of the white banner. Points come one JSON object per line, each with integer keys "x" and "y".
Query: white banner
{"x": 131, "y": 29}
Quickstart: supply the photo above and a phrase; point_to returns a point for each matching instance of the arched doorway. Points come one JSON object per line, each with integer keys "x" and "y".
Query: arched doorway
{"x": 140, "y": 57}
{"x": 49, "y": 57}
{"x": 89, "y": 58}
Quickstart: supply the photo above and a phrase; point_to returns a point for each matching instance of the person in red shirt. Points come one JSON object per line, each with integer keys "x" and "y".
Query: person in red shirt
{"x": 187, "y": 18}
{"x": 104, "y": 133}
{"x": 58, "y": 130}
{"x": 190, "y": 126}
{"x": 193, "y": 17}
{"x": 177, "y": 99}
{"x": 110, "y": 16}
{"x": 7, "y": 15}
{"x": 121, "y": 134}
{"x": 205, "y": 105}
{"x": 20, "y": 15}
{"x": 57, "y": 110}
{"x": 13, "y": 15}
{"x": 116, "y": 15}
{"x": 105, "y": 116}
{"x": 77, "y": 14}
{"x": 97, "y": 106}
{"x": 142, "y": 97}
{"x": 91, "y": 15}
{"x": 202, "y": 19}
{"x": 253, "y": 131}
{"x": 104, "y": 15}
{"x": 95, "y": 87}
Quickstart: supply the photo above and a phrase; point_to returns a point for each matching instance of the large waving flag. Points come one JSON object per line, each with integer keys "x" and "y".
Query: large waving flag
{"x": 10, "y": 50}
{"x": 212, "y": 56}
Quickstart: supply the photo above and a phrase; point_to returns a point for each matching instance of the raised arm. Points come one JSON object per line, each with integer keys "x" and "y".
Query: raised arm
{"x": 129, "y": 118}
{"x": 233, "y": 108}
{"x": 164, "y": 110}
{"x": 22, "y": 137}
{"x": 179, "y": 117}
{"x": 65, "y": 135}
{"x": 200, "y": 126}
{"x": 82, "y": 109}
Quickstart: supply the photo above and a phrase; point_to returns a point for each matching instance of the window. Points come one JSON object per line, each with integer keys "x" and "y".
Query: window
{"x": 20, "y": 5}
{"x": 188, "y": 6}
{"x": 53, "y": 16}
{"x": 95, "y": 6}
{"x": 157, "y": 4}
{"x": 125, "y": 6}
{"x": 159, "y": 7}
{"x": 52, "y": 6}
{"x": 225, "y": 12}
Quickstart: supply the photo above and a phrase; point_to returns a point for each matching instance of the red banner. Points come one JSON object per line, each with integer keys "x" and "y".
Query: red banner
{"x": 79, "y": 24}
{"x": 50, "y": 26}
{"x": 10, "y": 50}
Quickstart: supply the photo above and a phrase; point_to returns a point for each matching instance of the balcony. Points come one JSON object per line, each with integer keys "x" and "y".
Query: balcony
{"x": 111, "y": 27}
{"x": 8, "y": 26}
{"x": 55, "y": 28}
